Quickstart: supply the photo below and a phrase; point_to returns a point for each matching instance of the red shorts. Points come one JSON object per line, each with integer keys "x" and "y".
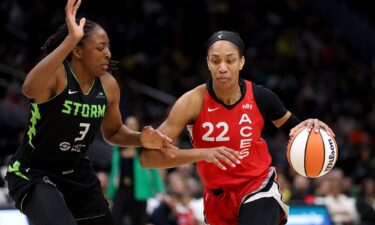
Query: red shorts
{"x": 221, "y": 207}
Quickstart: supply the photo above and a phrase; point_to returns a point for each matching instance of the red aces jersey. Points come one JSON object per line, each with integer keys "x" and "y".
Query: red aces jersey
{"x": 239, "y": 127}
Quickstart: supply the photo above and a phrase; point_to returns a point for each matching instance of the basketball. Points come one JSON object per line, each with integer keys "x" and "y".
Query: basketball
{"x": 312, "y": 154}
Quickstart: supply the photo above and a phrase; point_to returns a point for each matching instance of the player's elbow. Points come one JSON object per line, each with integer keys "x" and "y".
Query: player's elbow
{"x": 28, "y": 90}
{"x": 107, "y": 139}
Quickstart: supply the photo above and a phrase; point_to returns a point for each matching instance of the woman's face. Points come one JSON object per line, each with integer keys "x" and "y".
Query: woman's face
{"x": 224, "y": 62}
{"x": 95, "y": 52}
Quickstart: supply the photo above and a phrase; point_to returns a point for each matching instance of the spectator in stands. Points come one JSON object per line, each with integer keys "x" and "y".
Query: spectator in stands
{"x": 130, "y": 185}
{"x": 301, "y": 190}
{"x": 340, "y": 206}
{"x": 366, "y": 202}
{"x": 175, "y": 207}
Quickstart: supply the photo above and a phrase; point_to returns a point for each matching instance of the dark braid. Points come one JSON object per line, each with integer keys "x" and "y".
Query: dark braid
{"x": 55, "y": 40}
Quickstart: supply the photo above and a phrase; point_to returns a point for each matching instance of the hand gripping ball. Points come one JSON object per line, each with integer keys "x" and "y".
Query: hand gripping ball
{"x": 312, "y": 154}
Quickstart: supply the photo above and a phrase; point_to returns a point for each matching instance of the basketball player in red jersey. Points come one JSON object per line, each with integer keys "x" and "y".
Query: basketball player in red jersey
{"x": 229, "y": 111}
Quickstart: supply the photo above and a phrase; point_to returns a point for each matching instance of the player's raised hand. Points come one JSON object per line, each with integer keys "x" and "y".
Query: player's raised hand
{"x": 154, "y": 139}
{"x": 75, "y": 30}
{"x": 311, "y": 124}
{"x": 221, "y": 154}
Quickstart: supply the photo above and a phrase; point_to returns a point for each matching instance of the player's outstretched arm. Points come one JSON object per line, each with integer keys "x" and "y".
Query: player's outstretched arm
{"x": 43, "y": 75}
{"x": 185, "y": 110}
{"x": 222, "y": 157}
{"x": 116, "y": 133}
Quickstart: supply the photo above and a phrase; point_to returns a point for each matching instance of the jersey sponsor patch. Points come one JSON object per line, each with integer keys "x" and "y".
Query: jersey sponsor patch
{"x": 76, "y": 147}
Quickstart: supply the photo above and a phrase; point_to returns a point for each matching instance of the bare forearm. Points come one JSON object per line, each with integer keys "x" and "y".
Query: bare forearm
{"x": 156, "y": 159}
{"x": 43, "y": 72}
{"x": 124, "y": 137}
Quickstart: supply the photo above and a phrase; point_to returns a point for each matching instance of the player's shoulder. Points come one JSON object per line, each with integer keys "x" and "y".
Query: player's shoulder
{"x": 189, "y": 104}
{"x": 196, "y": 94}
{"x": 200, "y": 90}
{"x": 108, "y": 80}
{"x": 110, "y": 86}
{"x": 255, "y": 85}
{"x": 192, "y": 99}
{"x": 259, "y": 89}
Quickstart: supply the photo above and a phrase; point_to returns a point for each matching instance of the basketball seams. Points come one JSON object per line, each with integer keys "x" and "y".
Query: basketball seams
{"x": 324, "y": 152}
{"x": 314, "y": 161}
{"x": 297, "y": 152}
{"x": 305, "y": 158}
{"x": 328, "y": 151}
{"x": 289, "y": 148}
{"x": 309, "y": 153}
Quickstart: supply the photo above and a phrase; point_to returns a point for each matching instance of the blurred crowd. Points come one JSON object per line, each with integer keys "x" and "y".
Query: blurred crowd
{"x": 161, "y": 43}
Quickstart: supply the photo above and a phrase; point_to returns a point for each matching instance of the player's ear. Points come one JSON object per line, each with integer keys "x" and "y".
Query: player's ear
{"x": 242, "y": 62}
{"x": 208, "y": 64}
{"x": 77, "y": 52}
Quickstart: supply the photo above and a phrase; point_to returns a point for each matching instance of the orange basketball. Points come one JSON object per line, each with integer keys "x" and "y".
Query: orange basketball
{"x": 312, "y": 154}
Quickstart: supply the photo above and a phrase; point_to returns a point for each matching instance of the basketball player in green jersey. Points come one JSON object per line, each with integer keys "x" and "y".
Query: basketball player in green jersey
{"x": 72, "y": 96}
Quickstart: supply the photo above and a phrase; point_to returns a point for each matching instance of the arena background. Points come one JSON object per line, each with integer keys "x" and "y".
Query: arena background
{"x": 317, "y": 55}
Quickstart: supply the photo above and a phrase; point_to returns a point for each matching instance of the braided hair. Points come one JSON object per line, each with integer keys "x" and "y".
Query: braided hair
{"x": 55, "y": 40}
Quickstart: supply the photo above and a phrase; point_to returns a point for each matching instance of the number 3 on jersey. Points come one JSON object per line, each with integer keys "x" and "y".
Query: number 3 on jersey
{"x": 82, "y": 133}
{"x": 221, "y": 137}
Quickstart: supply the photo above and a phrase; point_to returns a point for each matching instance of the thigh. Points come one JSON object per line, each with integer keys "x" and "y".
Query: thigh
{"x": 264, "y": 211}
{"x": 83, "y": 193}
{"x": 44, "y": 205}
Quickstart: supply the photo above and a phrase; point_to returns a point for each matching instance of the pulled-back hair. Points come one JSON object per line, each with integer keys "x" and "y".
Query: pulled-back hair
{"x": 55, "y": 40}
{"x": 230, "y": 36}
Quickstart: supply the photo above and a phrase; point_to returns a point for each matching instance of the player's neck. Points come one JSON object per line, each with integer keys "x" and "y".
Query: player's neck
{"x": 228, "y": 95}
{"x": 84, "y": 78}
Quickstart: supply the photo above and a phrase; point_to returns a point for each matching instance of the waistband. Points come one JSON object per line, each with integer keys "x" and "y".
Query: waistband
{"x": 263, "y": 188}
{"x": 55, "y": 169}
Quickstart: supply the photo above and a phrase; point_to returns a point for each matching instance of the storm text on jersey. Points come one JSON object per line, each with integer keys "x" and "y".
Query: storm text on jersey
{"x": 83, "y": 110}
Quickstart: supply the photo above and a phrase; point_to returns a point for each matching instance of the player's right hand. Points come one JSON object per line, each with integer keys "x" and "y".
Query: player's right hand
{"x": 311, "y": 124}
{"x": 75, "y": 30}
{"x": 220, "y": 155}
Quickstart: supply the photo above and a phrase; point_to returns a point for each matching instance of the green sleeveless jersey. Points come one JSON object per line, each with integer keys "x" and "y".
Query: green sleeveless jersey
{"x": 60, "y": 130}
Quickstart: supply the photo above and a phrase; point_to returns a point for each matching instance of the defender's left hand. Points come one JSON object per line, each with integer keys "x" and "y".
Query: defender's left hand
{"x": 154, "y": 139}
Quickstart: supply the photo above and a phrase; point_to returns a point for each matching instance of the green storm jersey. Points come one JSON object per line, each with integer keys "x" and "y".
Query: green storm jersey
{"x": 60, "y": 130}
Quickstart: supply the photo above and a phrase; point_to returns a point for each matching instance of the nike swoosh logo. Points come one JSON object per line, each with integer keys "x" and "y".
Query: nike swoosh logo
{"x": 72, "y": 92}
{"x": 211, "y": 110}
